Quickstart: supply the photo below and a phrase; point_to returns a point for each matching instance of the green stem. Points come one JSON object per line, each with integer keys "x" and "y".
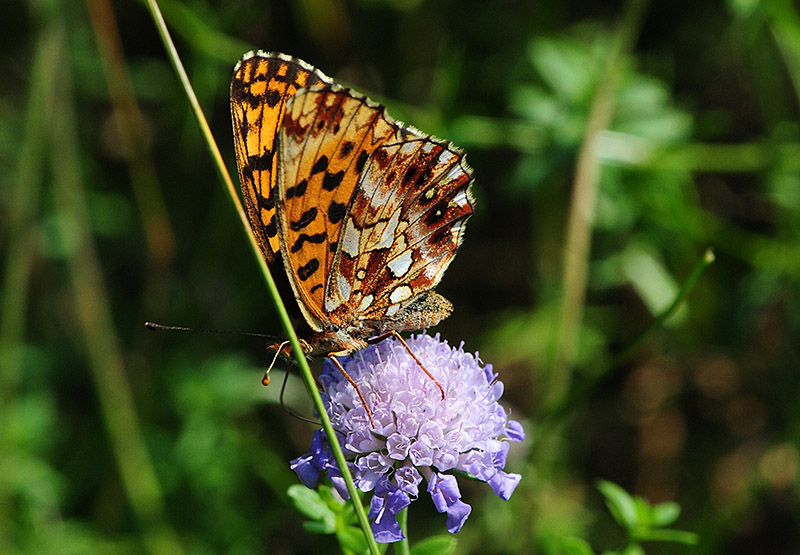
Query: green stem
{"x": 283, "y": 314}
{"x": 403, "y": 547}
{"x": 583, "y": 205}
{"x": 691, "y": 281}
{"x": 609, "y": 372}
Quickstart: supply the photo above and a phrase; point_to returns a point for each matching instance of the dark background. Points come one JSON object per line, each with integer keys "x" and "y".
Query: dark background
{"x": 115, "y": 439}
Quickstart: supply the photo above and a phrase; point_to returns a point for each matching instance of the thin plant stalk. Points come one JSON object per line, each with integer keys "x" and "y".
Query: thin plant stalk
{"x": 578, "y": 394}
{"x": 283, "y": 314}
{"x": 95, "y": 323}
{"x": 130, "y": 129}
{"x": 403, "y": 547}
{"x": 583, "y": 206}
{"x": 21, "y": 251}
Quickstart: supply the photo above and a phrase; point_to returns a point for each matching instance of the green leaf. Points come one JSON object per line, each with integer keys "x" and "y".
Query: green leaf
{"x": 435, "y": 545}
{"x": 632, "y": 549}
{"x": 351, "y": 538}
{"x": 621, "y": 505}
{"x": 312, "y": 505}
{"x": 319, "y": 527}
{"x": 576, "y": 546}
{"x": 566, "y": 67}
{"x": 665, "y": 513}
{"x": 674, "y": 536}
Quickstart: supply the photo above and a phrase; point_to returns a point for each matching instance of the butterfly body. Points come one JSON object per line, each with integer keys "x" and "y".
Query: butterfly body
{"x": 357, "y": 215}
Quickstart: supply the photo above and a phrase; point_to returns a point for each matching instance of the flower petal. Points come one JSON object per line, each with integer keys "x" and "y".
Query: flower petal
{"x": 447, "y": 498}
{"x": 413, "y": 431}
{"x": 306, "y": 470}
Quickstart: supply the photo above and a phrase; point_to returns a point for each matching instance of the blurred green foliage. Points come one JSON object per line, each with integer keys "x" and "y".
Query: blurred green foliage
{"x": 114, "y": 439}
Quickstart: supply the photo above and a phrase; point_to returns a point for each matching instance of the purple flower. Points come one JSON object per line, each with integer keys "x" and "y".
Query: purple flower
{"x": 414, "y": 433}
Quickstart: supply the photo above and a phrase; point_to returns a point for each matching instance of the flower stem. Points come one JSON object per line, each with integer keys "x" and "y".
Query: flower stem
{"x": 583, "y": 206}
{"x": 557, "y": 414}
{"x": 283, "y": 314}
{"x": 93, "y": 315}
{"x": 403, "y": 547}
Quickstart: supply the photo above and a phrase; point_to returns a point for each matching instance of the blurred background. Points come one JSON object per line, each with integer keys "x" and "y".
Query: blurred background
{"x": 675, "y": 122}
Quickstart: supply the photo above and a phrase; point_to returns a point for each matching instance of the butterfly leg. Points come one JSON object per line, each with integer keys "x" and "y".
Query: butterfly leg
{"x": 338, "y": 364}
{"x": 396, "y": 335}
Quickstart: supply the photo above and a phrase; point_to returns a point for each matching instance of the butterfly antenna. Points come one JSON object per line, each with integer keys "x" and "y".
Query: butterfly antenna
{"x": 160, "y": 327}
{"x": 265, "y": 379}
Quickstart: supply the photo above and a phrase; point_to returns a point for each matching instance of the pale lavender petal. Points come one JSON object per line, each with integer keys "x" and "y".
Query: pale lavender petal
{"x": 398, "y": 446}
{"x": 408, "y": 479}
{"x": 514, "y": 431}
{"x": 414, "y": 432}
{"x": 504, "y": 484}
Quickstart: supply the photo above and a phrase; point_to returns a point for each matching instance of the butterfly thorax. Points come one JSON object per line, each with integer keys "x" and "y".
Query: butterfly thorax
{"x": 335, "y": 341}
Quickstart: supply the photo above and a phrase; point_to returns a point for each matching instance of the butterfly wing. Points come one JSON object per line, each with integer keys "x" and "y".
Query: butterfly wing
{"x": 261, "y": 86}
{"x": 363, "y": 212}
{"x": 404, "y": 227}
{"x": 326, "y": 139}
{"x": 373, "y": 212}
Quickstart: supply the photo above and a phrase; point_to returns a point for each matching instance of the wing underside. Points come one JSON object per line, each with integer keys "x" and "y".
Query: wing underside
{"x": 363, "y": 212}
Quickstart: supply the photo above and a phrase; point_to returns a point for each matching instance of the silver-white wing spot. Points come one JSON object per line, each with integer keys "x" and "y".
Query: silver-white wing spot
{"x": 344, "y": 287}
{"x": 351, "y": 239}
{"x": 365, "y": 303}
{"x": 387, "y": 235}
{"x": 400, "y": 265}
{"x": 400, "y": 294}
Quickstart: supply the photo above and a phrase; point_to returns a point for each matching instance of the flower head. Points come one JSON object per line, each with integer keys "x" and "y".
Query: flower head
{"x": 414, "y": 433}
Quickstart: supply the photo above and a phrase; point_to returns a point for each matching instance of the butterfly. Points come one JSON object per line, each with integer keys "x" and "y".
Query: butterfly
{"x": 357, "y": 215}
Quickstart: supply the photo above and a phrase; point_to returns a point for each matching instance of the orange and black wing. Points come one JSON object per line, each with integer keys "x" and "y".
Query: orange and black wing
{"x": 327, "y": 137}
{"x": 262, "y": 84}
{"x": 373, "y": 212}
{"x": 363, "y": 212}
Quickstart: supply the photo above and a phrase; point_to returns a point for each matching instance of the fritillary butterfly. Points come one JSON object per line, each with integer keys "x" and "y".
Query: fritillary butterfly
{"x": 358, "y": 215}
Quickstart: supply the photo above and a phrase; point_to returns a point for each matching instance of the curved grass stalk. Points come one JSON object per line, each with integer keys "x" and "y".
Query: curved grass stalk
{"x": 283, "y": 314}
{"x": 579, "y": 393}
{"x": 583, "y": 206}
